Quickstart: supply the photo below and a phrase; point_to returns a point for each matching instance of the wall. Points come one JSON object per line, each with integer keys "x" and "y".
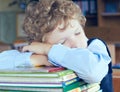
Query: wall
{"x": 4, "y": 6}
{"x": 8, "y": 21}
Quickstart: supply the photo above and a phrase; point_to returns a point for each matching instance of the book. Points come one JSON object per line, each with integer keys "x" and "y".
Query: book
{"x": 22, "y": 79}
{"x": 42, "y": 84}
{"x": 87, "y": 87}
{"x": 36, "y": 87}
{"x": 90, "y": 87}
{"x": 35, "y": 72}
{"x": 94, "y": 88}
{"x": 75, "y": 90}
{"x": 25, "y": 69}
{"x": 116, "y": 66}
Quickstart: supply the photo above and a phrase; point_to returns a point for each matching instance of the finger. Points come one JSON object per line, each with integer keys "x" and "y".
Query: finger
{"x": 25, "y": 48}
{"x": 34, "y": 43}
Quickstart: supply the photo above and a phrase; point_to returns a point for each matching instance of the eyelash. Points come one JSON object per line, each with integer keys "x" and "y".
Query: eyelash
{"x": 77, "y": 33}
{"x": 63, "y": 42}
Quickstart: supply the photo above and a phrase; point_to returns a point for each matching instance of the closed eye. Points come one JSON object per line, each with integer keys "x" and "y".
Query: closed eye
{"x": 77, "y": 33}
{"x": 62, "y": 41}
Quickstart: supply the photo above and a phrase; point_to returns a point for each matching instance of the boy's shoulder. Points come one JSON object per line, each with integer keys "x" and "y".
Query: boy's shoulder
{"x": 97, "y": 39}
{"x": 93, "y": 39}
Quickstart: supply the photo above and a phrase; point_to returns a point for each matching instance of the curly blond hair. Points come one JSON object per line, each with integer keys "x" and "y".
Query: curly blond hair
{"x": 44, "y": 16}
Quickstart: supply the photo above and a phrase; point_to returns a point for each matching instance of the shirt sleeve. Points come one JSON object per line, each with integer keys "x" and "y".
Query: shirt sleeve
{"x": 91, "y": 63}
{"x": 13, "y": 58}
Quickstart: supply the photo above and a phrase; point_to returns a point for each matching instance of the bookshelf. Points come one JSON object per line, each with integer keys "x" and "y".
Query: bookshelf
{"x": 103, "y": 22}
{"x": 89, "y": 9}
{"x": 108, "y": 13}
{"x": 105, "y": 12}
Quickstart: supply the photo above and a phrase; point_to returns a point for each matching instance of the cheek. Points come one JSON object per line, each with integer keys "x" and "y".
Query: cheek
{"x": 70, "y": 43}
{"x": 67, "y": 44}
{"x": 51, "y": 40}
{"x": 73, "y": 43}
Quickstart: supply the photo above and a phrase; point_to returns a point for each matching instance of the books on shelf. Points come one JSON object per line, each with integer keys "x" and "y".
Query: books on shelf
{"x": 88, "y": 7}
{"x": 43, "y": 79}
{"x": 111, "y": 7}
{"x": 116, "y": 66}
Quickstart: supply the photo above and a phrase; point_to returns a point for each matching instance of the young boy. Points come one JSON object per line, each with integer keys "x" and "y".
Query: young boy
{"x": 55, "y": 28}
{"x": 59, "y": 26}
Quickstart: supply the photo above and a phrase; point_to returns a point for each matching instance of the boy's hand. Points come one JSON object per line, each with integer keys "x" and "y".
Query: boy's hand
{"x": 40, "y": 60}
{"x": 38, "y": 48}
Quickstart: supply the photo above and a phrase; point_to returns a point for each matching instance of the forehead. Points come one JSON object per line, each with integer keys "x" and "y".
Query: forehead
{"x": 72, "y": 23}
{"x": 60, "y": 32}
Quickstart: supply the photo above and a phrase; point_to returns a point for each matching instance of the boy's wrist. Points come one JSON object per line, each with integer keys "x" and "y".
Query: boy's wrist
{"x": 47, "y": 48}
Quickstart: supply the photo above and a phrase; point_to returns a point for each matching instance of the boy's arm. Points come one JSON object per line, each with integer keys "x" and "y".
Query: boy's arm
{"x": 91, "y": 64}
{"x": 12, "y": 58}
{"x": 38, "y": 48}
{"x": 38, "y": 60}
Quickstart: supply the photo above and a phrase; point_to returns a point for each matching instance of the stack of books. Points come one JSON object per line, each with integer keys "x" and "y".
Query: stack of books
{"x": 44, "y": 79}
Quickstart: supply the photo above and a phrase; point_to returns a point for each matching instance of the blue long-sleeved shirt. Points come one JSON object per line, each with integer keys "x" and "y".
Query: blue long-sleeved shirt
{"x": 11, "y": 59}
{"x": 91, "y": 63}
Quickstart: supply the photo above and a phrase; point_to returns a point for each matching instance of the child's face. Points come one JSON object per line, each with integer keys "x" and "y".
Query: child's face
{"x": 73, "y": 36}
